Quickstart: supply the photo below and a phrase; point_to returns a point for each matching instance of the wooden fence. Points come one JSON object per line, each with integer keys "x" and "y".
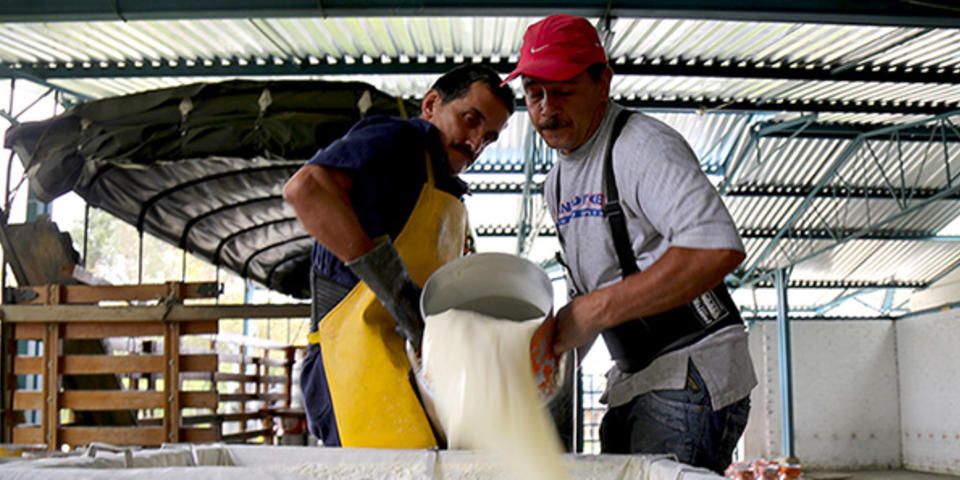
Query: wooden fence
{"x": 164, "y": 411}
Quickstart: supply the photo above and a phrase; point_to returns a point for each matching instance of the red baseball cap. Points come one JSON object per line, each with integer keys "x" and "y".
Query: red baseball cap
{"x": 558, "y": 48}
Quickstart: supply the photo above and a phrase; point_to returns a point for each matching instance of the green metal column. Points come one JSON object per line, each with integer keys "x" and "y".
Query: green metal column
{"x": 786, "y": 369}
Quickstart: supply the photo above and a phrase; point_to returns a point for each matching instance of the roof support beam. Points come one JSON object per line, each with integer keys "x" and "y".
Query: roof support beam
{"x": 760, "y": 233}
{"x": 823, "y": 309}
{"x": 45, "y": 75}
{"x": 828, "y": 191}
{"x": 315, "y": 66}
{"x": 754, "y": 190}
{"x": 6, "y": 71}
{"x": 842, "y": 284}
{"x": 837, "y": 234}
{"x": 755, "y": 317}
{"x": 527, "y": 224}
{"x": 877, "y": 12}
{"x": 849, "y": 131}
{"x": 867, "y": 156}
{"x": 756, "y": 132}
{"x": 711, "y": 105}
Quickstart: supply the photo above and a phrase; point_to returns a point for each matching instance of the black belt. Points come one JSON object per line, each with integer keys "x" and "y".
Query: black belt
{"x": 635, "y": 344}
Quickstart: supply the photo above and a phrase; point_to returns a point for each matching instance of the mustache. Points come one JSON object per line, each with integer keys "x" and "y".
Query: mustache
{"x": 552, "y": 123}
{"x": 465, "y": 149}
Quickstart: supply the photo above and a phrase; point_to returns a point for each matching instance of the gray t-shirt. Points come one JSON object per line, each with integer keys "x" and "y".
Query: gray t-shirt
{"x": 668, "y": 202}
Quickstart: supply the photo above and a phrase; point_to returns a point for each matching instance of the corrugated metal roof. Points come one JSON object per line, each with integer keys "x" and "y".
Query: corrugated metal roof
{"x": 76, "y": 49}
{"x": 715, "y": 81}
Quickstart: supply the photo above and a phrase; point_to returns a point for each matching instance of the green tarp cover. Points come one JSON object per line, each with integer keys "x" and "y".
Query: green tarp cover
{"x": 202, "y": 166}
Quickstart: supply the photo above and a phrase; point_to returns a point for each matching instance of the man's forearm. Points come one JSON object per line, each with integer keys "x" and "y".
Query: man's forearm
{"x": 681, "y": 275}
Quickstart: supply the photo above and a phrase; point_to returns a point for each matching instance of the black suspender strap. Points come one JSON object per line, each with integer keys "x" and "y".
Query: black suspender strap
{"x": 636, "y": 343}
{"x": 611, "y": 208}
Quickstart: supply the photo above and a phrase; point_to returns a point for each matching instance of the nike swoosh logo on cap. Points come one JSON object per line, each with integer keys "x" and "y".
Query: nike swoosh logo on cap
{"x": 541, "y": 47}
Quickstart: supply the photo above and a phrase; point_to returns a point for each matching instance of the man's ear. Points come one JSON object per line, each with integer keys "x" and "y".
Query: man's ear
{"x": 429, "y": 104}
{"x": 606, "y": 78}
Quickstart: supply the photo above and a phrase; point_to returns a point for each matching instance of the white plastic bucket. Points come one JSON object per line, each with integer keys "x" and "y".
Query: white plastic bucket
{"x": 508, "y": 287}
{"x": 496, "y": 284}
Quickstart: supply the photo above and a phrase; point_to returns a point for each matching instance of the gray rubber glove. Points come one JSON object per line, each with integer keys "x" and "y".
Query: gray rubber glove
{"x": 386, "y": 276}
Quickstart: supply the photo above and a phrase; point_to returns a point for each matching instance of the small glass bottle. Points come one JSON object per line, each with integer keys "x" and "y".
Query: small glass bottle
{"x": 739, "y": 471}
{"x": 790, "y": 472}
{"x": 766, "y": 470}
{"x": 743, "y": 472}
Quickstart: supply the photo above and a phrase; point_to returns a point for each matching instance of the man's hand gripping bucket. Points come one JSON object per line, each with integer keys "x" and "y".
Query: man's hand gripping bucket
{"x": 501, "y": 286}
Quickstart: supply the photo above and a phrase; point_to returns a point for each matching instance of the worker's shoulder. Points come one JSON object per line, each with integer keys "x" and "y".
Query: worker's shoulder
{"x": 653, "y": 138}
{"x": 373, "y": 140}
{"x": 643, "y": 127}
{"x": 387, "y": 128}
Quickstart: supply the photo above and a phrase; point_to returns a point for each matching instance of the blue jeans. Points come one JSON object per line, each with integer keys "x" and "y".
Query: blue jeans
{"x": 678, "y": 422}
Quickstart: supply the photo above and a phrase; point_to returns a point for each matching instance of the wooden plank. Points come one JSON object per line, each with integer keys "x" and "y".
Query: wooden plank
{"x": 250, "y": 342}
{"x": 27, "y": 365}
{"x": 273, "y": 362}
{"x": 26, "y": 400}
{"x": 280, "y": 379}
{"x": 230, "y": 357}
{"x": 249, "y": 397}
{"x": 89, "y": 364}
{"x": 234, "y": 377}
{"x": 79, "y": 294}
{"x": 199, "y": 435}
{"x": 283, "y": 412}
{"x": 244, "y": 350}
{"x": 264, "y": 432}
{"x": 291, "y": 355}
{"x": 50, "y": 416}
{"x": 8, "y": 381}
{"x": 156, "y": 313}
{"x": 27, "y": 435}
{"x": 199, "y": 400}
{"x": 146, "y": 436}
{"x": 171, "y": 382}
{"x": 211, "y": 418}
{"x": 23, "y": 331}
{"x": 240, "y": 416}
{"x": 89, "y": 330}
{"x": 200, "y": 327}
{"x": 97, "y": 400}
{"x": 198, "y": 362}
{"x": 205, "y": 376}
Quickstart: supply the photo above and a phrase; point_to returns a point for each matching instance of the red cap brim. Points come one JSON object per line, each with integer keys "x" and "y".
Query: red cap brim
{"x": 548, "y": 69}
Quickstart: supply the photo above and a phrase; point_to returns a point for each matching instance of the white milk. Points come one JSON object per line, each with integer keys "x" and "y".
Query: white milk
{"x": 479, "y": 373}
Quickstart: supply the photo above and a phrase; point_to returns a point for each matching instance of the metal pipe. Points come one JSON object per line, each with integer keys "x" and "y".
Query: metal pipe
{"x": 786, "y": 369}
{"x": 844, "y": 156}
{"x": 86, "y": 232}
{"x": 140, "y": 258}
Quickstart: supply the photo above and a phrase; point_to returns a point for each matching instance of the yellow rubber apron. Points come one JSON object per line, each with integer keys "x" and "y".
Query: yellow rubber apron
{"x": 366, "y": 365}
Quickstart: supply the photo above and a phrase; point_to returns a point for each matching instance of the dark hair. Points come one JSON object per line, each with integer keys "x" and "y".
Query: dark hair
{"x": 596, "y": 70}
{"x": 457, "y": 81}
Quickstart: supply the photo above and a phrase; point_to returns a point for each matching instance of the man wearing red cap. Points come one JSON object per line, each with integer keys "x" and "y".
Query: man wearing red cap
{"x": 647, "y": 241}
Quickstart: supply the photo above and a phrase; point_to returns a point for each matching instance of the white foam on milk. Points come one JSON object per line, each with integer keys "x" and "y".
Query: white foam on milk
{"x": 481, "y": 379}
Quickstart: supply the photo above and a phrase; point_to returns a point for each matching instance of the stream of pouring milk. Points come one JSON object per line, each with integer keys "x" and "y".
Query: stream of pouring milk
{"x": 479, "y": 372}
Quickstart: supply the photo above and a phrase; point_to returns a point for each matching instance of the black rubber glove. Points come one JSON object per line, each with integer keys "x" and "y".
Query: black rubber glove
{"x": 386, "y": 276}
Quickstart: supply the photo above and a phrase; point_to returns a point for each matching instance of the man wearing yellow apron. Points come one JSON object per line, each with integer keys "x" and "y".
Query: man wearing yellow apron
{"x": 383, "y": 204}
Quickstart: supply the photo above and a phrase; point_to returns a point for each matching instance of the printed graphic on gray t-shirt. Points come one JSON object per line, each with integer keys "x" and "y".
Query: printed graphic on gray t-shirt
{"x": 668, "y": 202}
